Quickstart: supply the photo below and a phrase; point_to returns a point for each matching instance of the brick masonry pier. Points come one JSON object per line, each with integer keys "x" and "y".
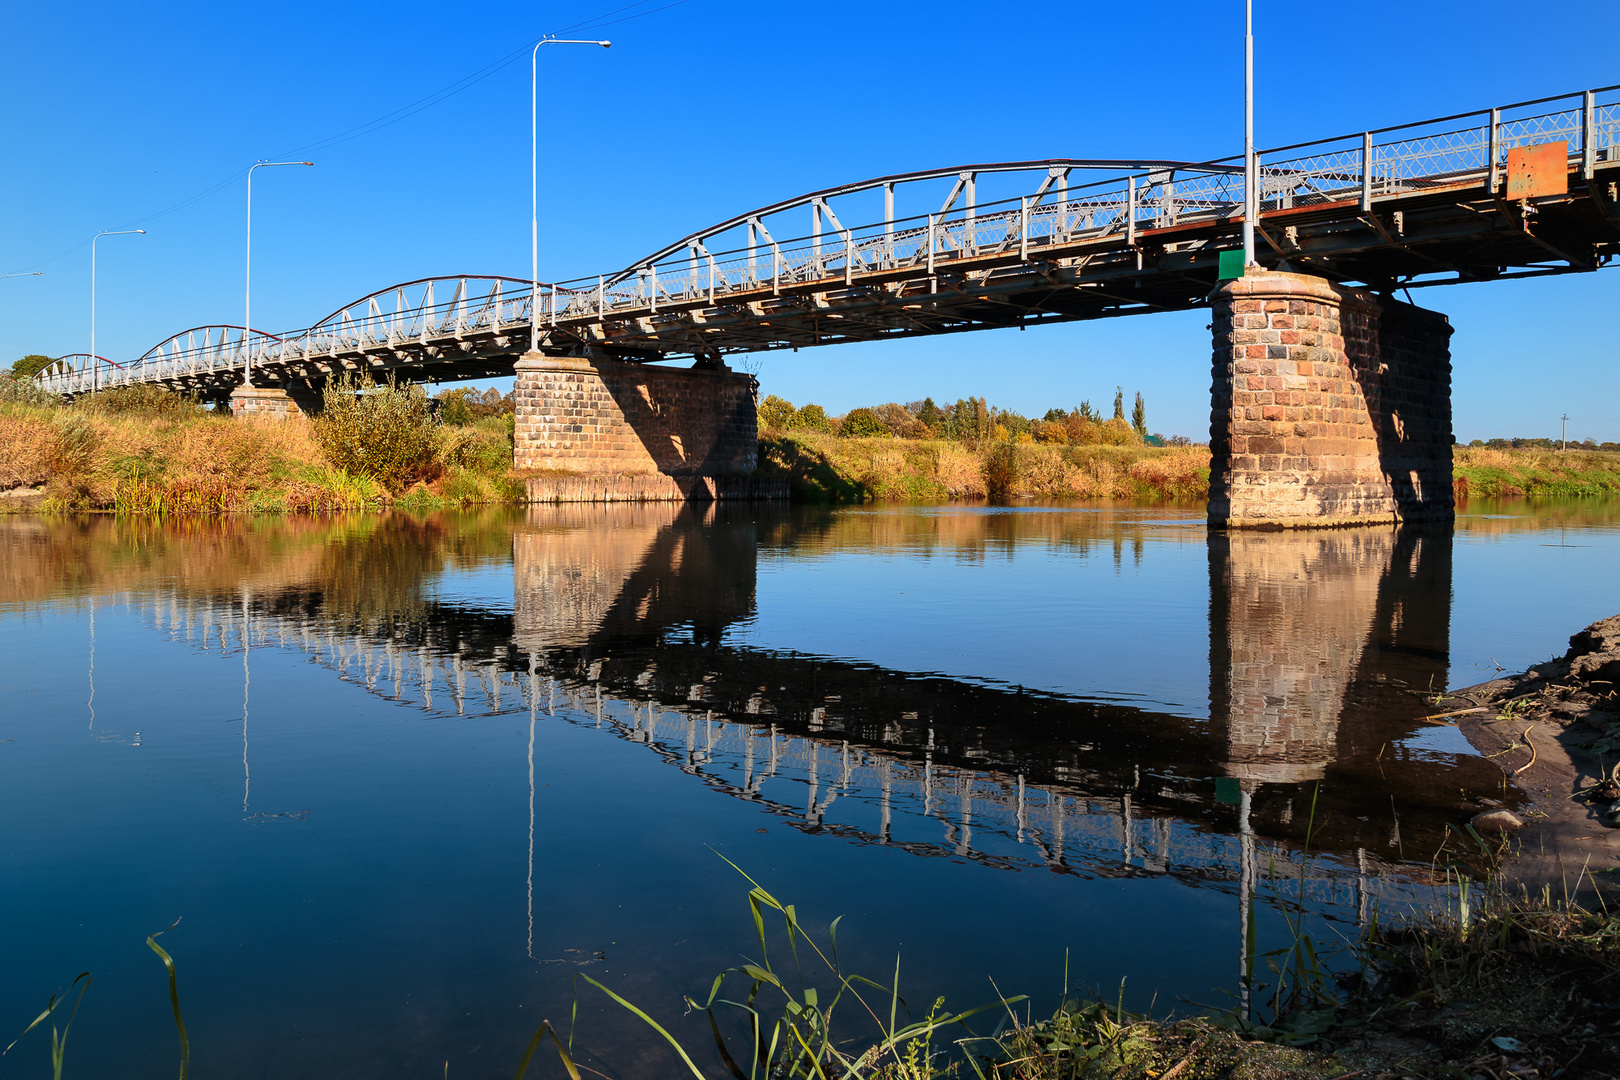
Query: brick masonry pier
{"x": 611, "y": 431}
{"x": 274, "y": 402}
{"x": 1329, "y": 406}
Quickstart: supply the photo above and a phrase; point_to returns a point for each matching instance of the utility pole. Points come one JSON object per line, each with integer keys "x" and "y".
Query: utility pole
{"x": 1563, "y": 433}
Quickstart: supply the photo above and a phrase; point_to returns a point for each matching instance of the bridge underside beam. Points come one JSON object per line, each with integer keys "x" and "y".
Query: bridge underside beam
{"x": 1329, "y": 407}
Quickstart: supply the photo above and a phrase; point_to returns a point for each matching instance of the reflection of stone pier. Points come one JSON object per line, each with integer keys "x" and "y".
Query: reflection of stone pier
{"x": 629, "y": 571}
{"x": 1299, "y": 622}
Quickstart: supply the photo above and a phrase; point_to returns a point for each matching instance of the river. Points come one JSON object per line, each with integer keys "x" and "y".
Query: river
{"x": 401, "y": 779}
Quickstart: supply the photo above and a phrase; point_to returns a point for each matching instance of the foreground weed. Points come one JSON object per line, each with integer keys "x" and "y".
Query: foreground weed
{"x": 790, "y": 1024}
{"x": 59, "y": 1039}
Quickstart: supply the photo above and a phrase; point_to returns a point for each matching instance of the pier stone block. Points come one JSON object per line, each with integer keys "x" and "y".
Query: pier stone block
{"x": 1329, "y": 406}
{"x": 608, "y": 419}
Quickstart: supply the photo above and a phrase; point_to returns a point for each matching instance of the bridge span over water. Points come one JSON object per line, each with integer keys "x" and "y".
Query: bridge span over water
{"x": 1523, "y": 190}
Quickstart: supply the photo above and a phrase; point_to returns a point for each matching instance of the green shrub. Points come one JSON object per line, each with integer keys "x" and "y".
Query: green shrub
{"x": 861, "y": 424}
{"x": 775, "y": 413}
{"x": 25, "y": 391}
{"x": 811, "y": 418}
{"x": 385, "y": 432}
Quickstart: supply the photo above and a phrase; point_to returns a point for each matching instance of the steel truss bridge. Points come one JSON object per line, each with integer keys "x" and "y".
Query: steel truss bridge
{"x": 1420, "y": 204}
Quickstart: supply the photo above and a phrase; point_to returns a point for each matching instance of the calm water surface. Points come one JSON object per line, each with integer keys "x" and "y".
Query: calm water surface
{"x": 403, "y": 778}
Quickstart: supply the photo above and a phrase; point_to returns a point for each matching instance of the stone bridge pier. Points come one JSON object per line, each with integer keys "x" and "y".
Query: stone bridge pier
{"x": 616, "y": 431}
{"x": 1329, "y": 406}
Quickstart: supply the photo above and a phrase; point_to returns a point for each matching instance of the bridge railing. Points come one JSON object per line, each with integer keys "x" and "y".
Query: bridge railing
{"x": 1467, "y": 150}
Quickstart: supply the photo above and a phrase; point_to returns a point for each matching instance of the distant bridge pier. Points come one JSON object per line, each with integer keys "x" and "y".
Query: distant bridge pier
{"x": 274, "y": 402}
{"x": 1329, "y": 406}
{"x": 617, "y": 431}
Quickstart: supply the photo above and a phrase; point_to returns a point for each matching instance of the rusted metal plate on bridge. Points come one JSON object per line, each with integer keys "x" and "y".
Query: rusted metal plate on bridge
{"x": 1533, "y": 171}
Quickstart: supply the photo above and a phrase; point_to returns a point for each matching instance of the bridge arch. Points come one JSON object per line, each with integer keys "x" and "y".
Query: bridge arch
{"x": 963, "y": 196}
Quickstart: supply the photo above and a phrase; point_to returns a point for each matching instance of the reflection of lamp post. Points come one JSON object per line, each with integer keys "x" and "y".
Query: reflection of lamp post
{"x": 247, "y": 301}
{"x": 1246, "y": 868}
{"x": 534, "y": 183}
{"x": 90, "y": 703}
{"x": 244, "y": 704}
{"x": 94, "y": 367}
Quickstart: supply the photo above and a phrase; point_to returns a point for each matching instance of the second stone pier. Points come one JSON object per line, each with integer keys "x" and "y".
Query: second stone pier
{"x": 1329, "y": 406}
{"x": 614, "y": 431}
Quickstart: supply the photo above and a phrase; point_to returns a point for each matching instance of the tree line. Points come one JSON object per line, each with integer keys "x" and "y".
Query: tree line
{"x": 971, "y": 420}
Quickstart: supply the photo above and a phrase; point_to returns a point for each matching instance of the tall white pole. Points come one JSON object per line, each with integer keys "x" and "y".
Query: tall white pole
{"x": 247, "y": 300}
{"x": 1251, "y": 174}
{"x": 95, "y": 366}
{"x": 534, "y": 182}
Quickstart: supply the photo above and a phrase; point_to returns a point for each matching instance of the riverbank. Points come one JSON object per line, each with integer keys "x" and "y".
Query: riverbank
{"x": 1488, "y": 986}
{"x": 830, "y": 468}
{"x": 1491, "y": 473}
{"x": 1555, "y": 732}
{"x": 182, "y": 459}
{"x": 169, "y": 456}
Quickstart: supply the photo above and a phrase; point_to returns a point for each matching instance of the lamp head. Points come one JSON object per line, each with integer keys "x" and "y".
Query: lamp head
{"x": 605, "y": 44}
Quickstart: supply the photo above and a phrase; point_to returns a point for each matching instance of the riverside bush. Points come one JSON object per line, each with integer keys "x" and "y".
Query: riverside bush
{"x": 861, "y": 424}
{"x": 1002, "y": 471}
{"x": 385, "y": 432}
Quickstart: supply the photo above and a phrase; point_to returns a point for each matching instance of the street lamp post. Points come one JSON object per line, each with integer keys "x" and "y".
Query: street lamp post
{"x": 26, "y": 273}
{"x": 1251, "y": 174}
{"x": 534, "y": 182}
{"x": 95, "y": 367}
{"x": 247, "y": 302}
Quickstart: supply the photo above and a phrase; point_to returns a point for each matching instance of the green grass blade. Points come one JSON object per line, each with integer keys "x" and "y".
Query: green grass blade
{"x": 649, "y": 1021}
{"x": 59, "y": 1046}
{"x": 540, "y": 1032}
{"x": 720, "y": 1045}
{"x": 50, "y": 1007}
{"x": 174, "y": 998}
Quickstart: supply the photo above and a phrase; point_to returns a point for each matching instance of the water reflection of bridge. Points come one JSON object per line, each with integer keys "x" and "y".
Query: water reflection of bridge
{"x": 619, "y": 622}
{"x": 923, "y": 803}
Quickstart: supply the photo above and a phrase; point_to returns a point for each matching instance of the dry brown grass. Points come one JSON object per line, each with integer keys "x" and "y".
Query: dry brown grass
{"x": 25, "y": 445}
{"x": 925, "y": 470}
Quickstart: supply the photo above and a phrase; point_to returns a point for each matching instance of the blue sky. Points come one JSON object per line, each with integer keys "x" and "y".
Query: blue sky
{"x": 117, "y": 114}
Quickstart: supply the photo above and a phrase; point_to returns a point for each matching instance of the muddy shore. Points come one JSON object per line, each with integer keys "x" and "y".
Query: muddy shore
{"x": 1555, "y": 732}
